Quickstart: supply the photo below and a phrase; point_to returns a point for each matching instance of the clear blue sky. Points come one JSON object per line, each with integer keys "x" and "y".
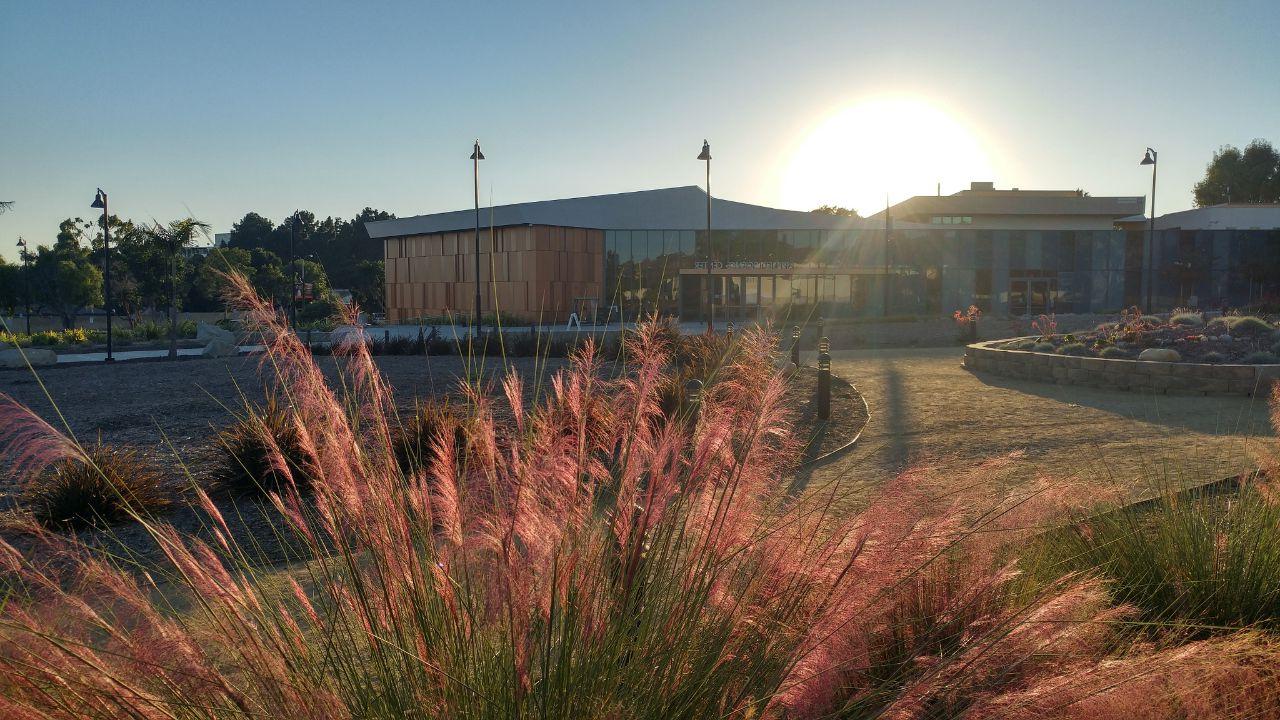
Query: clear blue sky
{"x": 215, "y": 109}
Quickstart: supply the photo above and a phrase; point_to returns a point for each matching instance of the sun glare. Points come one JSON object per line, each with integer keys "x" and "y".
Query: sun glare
{"x": 899, "y": 147}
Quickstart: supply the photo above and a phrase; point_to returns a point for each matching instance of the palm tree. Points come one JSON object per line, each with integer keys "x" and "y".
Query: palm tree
{"x": 177, "y": 235}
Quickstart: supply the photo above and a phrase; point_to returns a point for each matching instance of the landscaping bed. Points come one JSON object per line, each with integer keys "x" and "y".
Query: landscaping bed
{"x": 1182, "y": 337}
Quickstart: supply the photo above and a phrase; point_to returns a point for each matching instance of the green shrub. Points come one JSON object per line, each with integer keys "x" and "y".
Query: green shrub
{"x": 96, "y": 491}
{"x": 1044, "y": 347}
{"x": 1213, "y": 356}
{"x": 1249, "y": 325}
{"x": 1187, "y": 318}
{"x": 1075, "y": 349}
{"x": 1152, "y": 319}
{"x": 1275, "y": 349}
{"x": 1201, "y": 558}
{"x": 249, "y": 448}
{"x": 1260, "y": 358}
{"x": 1114, "y": 353}
{"x": 1021, "y": 345}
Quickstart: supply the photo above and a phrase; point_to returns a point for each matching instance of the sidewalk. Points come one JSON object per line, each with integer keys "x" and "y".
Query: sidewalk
{"x": 123, "y": 355}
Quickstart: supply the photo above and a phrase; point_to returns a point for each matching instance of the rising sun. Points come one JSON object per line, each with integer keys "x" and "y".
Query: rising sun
{"x": 895, "y": 146}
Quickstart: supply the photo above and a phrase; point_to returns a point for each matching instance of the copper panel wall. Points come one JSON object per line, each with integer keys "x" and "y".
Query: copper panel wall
{"x": 530, "y": 272}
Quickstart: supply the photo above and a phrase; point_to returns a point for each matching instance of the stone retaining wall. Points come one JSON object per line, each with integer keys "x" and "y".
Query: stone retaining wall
{"x": 1115, "y": 374}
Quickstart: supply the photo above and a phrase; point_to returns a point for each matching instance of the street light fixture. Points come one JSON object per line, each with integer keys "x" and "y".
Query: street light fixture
{"x": 100, "y": 201}
{"x": 25, "y": 257}
{"x": 293, "y": 273}
{"x": 706, "y": 155}
{"x": 476, "y": 157}
{"x": 1150, "y": 159}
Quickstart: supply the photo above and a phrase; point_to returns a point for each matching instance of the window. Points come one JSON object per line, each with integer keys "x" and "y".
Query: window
{"x": 951, "y": 220}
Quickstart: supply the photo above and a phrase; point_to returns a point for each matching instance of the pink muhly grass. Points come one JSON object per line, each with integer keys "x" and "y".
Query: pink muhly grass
{"x": 584, "y": 555}
{"x": 29, "y": 444}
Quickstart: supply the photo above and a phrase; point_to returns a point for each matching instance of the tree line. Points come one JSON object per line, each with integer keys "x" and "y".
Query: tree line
{"x": 155, "y": 267}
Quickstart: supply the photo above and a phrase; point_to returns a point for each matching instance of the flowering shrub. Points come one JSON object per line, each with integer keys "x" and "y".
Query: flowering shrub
{"x": 586, "y": 555}
{"x": 1046, "y": 325}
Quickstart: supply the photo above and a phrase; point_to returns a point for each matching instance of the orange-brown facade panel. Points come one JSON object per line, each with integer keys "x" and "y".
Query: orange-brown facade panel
{"x": 528, "y": 273}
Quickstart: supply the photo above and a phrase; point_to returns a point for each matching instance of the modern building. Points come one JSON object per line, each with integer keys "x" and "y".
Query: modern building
{"x": 1011, "y": 252}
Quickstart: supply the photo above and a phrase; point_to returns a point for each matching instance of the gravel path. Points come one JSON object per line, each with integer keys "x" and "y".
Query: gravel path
{"x": 925, "y": 408}
{"x": 141, "y": 403}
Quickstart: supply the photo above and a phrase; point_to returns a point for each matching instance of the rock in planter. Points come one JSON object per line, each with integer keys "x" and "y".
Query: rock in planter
{"x": 344, "y": 334}
{"x": 1160, "y": 355}
{"x": 220, "y": 348}
{"x": 207, "y": 333}
{"x": 38, "y": 357}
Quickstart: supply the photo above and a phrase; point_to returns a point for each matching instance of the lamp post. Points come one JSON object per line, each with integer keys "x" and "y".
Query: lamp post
{"x": 100, "y": 201}
{"x": 476, "y": 157}
{"x": 706, "y": 155}
{"x": 1150, "y": 159}
{"x": 25, "y": 257}
{"x": 293, "y": 273}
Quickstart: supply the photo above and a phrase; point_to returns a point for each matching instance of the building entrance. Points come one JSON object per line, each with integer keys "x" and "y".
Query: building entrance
{"x": 1032, "y": 296}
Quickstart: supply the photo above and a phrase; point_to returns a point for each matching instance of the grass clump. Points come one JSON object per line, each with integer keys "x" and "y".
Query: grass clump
{"x": 1202, "y": 560}
{"x": 1079, "y": 349}
{"x": 416, "y": 438}
{"x": 1249, "y": 325}
{"x": 105, "y": 486}
{"x": 1187, "y": 318}
{"x": 262, "y": 452}
{"x": 1260, "y": 358}
{"x": 1114, "y": 353}
{"x": 1044, "y": 347}
{"x": 1214, "y": 357}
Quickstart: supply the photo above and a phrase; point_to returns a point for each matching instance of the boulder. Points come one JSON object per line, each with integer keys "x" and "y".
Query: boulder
{"x": 219, "y": 347}
{"x": 38, "y": 357}
{"x": 207, "y": 333}
{"x": 1160, "y": 355}
{"x": 343, "y": 334}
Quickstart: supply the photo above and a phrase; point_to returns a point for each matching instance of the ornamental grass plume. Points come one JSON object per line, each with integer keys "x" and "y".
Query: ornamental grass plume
{"x": 582, "y": 555}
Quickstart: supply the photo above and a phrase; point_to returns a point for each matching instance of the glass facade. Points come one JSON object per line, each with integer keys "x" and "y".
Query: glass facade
{"x": 754, "y": 273}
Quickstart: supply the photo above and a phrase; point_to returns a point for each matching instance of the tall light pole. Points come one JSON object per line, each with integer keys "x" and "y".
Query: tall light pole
{"x": 25, "y": 257}
{"x": 706, "y": 155}
{"x": 293, "y": 273}
{"x": 476, "y": 157}
{"x": 1150, "y": 159}
{"x": 100, "y": 201}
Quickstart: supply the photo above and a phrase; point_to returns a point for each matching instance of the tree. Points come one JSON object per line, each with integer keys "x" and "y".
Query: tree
{"x": 11, "y": 282}
{"x": 369, "y": 290}
{"x": 253, "y": 231}
{"x": 64, "y": 278}
{"x": 169, "y": 241}
{"x": 210, "y": 281}
{"x": 835, "y": 210}
{"x": 1252, "y": 176}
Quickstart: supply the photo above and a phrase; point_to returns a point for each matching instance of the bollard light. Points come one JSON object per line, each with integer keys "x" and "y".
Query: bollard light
{"x": 795, "y": 345}
{"x": 693, "y": 398}
{"x": 730, "y": 332}
{"x": 824, "y": 379}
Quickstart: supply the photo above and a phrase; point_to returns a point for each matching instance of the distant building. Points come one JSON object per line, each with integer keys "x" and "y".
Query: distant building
{"x": 1011, "y": 252}
{"x": 1227, "y": 216}
{"x": 222, "y": 239}
{"x": 982, "y": 207}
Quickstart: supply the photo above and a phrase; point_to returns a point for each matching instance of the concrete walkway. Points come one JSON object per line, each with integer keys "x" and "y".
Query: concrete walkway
{"x": 925, "y": 408}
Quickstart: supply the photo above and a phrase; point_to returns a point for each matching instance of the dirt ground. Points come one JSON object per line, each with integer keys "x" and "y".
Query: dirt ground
{"x": 928, "y": 410}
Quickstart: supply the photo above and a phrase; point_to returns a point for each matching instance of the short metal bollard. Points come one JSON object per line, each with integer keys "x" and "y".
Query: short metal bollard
{"x": 729, "y": 334}
{"x": 821, "y": 328}
{"x": 386, "y": 337}
{"x": 795, "y": 345}
{"x": 693, "y": 398}
{"x": 824, "y": 379}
